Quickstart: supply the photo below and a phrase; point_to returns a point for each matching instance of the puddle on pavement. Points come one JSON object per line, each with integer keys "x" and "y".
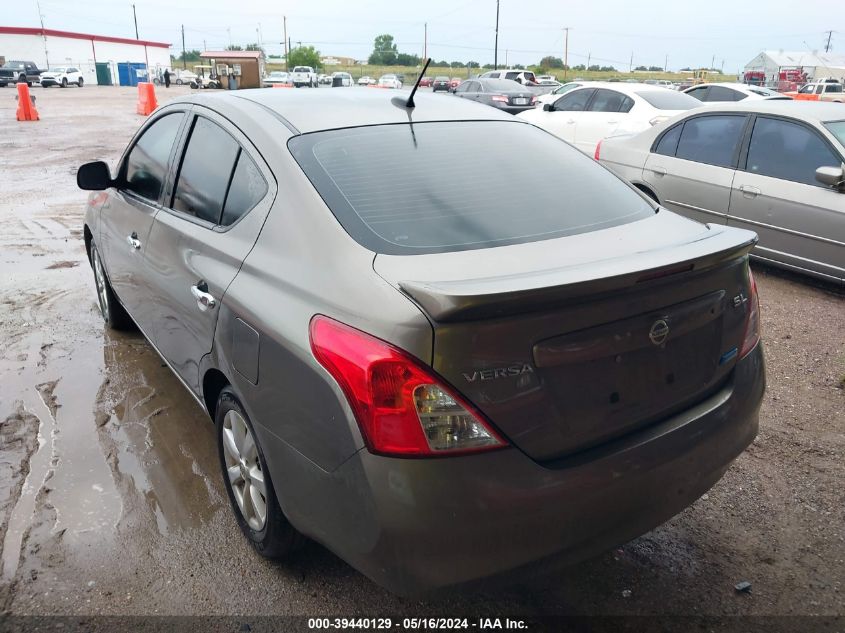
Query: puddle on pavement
{"x": 121, "y": 446}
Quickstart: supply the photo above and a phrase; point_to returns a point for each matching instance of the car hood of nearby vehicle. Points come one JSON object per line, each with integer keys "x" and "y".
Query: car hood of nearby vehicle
{"x": 446, "y": 284}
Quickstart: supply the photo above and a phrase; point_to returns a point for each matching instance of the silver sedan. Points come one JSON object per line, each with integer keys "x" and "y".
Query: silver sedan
{"x": 775, "y": 167}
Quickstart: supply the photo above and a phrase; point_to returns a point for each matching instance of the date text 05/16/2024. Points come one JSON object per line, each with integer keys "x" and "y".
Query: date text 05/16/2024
{"x": 413, "y": 624}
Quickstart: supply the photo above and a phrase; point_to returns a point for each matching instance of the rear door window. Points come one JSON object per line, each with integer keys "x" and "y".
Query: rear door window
{"x": 146, "y": 165}
{"x": 607, "y": 101}
{"x": 711, "y": 139}
{"x": 720, "y": 93}
{"x": 206, "y": 171}
{"x": 395, "y": 191}
{"x": 789, "y": 151}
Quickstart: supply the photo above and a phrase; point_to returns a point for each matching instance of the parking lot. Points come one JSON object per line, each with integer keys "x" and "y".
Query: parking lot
{"x": 111, "y": 501}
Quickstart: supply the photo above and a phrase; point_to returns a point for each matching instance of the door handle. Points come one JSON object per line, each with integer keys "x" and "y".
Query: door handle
{"x": 660, "y": 171}
{"x": 205, "y": 300}
{"x": 133, "y": 241}
{"x": 749, "y": 192}
{"x": 612, "y": 122}
{"x": 570, "y": 121}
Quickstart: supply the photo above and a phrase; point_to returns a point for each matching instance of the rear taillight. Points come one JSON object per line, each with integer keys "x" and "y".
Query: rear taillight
{"x": 752, "y": 319}
{"x": 533, "y": 100}
{"x": 598, "y": 151}
{"x": 501, "y": 98}
{"x": 402, "y": 407}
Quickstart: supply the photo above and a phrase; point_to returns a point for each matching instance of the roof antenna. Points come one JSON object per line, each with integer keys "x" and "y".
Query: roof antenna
{"x": 410, "y": 103}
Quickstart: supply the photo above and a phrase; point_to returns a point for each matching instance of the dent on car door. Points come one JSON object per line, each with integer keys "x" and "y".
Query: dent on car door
{"x": 691, "y": 166}
{"x": 127, "y": 216}
{"x": 221, "y": 197}
{"x": 800, "y": 221}
{"x": 562, "y": 120}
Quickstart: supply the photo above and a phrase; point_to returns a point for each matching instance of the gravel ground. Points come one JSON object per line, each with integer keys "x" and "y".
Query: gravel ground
{"x": 117, "y": 507}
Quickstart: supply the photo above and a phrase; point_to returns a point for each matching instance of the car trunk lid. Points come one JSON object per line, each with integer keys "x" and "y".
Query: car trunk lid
{"x": 568, "y": 343}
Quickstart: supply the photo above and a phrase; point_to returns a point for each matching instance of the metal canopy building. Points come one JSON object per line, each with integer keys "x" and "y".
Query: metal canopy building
{"x": 103, "y": 59}
{"x": 816, "y": 65}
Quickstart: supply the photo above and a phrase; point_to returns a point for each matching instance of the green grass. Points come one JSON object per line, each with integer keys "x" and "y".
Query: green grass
{"x": 411, "y": 72}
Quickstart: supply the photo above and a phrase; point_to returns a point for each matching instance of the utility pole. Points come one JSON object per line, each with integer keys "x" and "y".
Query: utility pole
{"x": 135, "y": 16}
{"x": 589, "y": 54}
{"x": 285, "y": 27}
{"x": 425, "y": 41}
{"x": 496, "y": 46}
{"x": 43, "y": 34}
{"x": 506, "y": 59}
{"x": 565, "y": 52}
{"x": 204, "y": 47}
{"x": 229, "y": 33}
{"x": 184, "y": 60}
{"x": 666, "y": 64}
{"x": 631, "y": 63}
{"x": 713, "y": 62}
{"x": 827, "y": 46}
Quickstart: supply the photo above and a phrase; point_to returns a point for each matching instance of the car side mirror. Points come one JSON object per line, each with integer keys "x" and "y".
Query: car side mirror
{"x": 548, "y": 107}
{"x": 94, "y": 176}
{"x": 832, "y": 177}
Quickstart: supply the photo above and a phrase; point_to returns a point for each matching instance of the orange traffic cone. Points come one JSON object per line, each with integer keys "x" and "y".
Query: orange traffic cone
{"x": 26, "y": 104}
{"x": 146, "y": 98}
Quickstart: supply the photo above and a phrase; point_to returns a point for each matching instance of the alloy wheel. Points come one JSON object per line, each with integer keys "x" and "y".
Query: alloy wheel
{"x": 243, "y": 469}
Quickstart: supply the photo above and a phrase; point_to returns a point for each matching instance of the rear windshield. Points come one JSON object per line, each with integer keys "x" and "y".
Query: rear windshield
{"x": 669, "y": 100}
{"x": 437, "y": 187}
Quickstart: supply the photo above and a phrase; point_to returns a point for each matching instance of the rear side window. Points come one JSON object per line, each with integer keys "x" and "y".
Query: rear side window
{"x": 247, "y": 189}
{"x": 663, "y": 99}
{"x": 146, "y": 165}
{"x": 607, "y": 101}
{"x": 788, "y": 151}
{"x": 668, "y": 144}
{"x": 395, "y": 190}
{"x": 206, "y": 171}
{"x": 720, "y": 93}
{"x": 711, "y": 139}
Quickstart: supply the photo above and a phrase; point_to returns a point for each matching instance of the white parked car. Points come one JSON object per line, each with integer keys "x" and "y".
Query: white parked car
{"x": 181, "y": 76}
{"x": 345, "y": 78}
{"x": 663, "y": 83}
{"x": 324, "y": 79}
{"x": 277, "y": 77}
{"x": 542, "y": 78}
{"x": 366, "y": 81}
{"x": 62, "y": 76}
{"x": 722, "y": 92}
{"x": 586, "y": 115}
{"x": 389, "y": 81}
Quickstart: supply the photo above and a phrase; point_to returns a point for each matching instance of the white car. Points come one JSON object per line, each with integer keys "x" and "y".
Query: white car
{"x": 586, "y": 115}
{"x": 180, "y": 77}
{"x": 279, "y": 77}
{"x": 520, "y": 76}
{"x": 542, "y": 78}
{"x": 62, "y": 76}
{"x": 555, "y": 94}
{"x": 345, "y": 78}
{"x": 728, "y": 92}
{"x": 366, "y": 81}
{"x": 389, "y": 81}
{"x": 324, "y": 79}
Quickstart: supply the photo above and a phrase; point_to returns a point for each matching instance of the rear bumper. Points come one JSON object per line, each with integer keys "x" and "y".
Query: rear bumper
{"x": 416, "y": 525}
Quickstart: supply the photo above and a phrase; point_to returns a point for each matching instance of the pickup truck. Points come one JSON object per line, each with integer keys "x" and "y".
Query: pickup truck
{"x": 13, "y": 72}
{"x": 819, "y": 91}
{"x": 304, "y": 76}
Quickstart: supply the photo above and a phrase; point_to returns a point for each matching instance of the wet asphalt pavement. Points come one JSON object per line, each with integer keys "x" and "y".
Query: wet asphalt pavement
{"x": 111, "y": 501}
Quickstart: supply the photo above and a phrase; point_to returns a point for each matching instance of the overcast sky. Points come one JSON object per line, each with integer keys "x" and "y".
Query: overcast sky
{"x": 690, "y": 33}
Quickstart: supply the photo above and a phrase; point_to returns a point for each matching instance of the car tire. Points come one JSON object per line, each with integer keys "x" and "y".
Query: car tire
{"x": 244, "y": 469}
{"x": 114, "y": 314}
{"x": 80, "y": 83}
{"x": 178, "y": 82}
{"x": 64, "y": 82}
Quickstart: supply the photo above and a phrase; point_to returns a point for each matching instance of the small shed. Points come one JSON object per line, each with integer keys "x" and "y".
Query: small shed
{"x": 236, "y": 69}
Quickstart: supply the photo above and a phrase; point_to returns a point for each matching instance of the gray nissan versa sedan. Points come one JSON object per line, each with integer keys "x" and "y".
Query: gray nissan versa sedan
{"x": 403, "y": 360}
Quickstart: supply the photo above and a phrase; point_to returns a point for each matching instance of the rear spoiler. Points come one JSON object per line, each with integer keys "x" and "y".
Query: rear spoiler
{"x": 471, "y": 299}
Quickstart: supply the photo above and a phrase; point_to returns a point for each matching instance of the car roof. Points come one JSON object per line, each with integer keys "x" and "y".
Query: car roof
{"x": 735, "y": 85}
{"x": 817, "y": 111}
{"x": 314, "y": 110}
